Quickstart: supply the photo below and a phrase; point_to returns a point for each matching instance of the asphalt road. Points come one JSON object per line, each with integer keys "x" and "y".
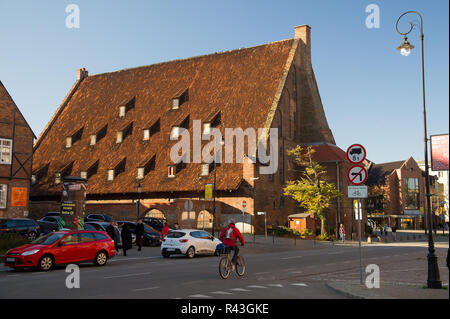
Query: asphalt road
{"x": 294, "y": 273}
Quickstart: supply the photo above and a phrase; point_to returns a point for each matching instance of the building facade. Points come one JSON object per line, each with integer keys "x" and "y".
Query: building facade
{"x": 118, "y": 130}
{"x": 16, "y": 152}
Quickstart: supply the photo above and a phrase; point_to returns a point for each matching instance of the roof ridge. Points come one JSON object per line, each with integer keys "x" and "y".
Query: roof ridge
{"x": 190, "y": 58}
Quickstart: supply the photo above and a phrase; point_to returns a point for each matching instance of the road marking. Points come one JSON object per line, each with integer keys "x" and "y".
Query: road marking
{"x": 335, "y": 253}
{"x": 129, "y": 275}
{"x": 239, "y": 289}
{"x": 221, "y": 293}
{"x": 199, "y": 296}
{"x": 256, "y": 286}
{"x": 296, "y": 272}
{"x": 142, "y": 289}
{"x": 292, "y": 257}
{"x": 276, "y": 285}
{"x": 300, "y": 284}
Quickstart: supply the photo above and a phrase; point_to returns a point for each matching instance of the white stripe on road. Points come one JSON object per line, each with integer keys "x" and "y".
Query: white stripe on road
{"x": 221, "y": 293}
{"x": 296, "y": 272}
{"x": 199, "y": 296}
{"x": 292, "y": 257}
{"x": 239, "y": 289}
{"x": 276, "y": 285}
{"x": 142, "y": 289}
{"x": 129, "y": 275}
{"x": 300, "y": 284}
{"x": 256, "y": 286}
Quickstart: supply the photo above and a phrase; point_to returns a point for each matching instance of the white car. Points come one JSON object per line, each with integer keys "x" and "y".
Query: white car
{"x": 189, "y": 242}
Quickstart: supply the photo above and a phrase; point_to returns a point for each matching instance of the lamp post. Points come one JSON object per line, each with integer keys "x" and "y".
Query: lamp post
{"x": 405, "y": 49}
{"x": 139, "y": 190}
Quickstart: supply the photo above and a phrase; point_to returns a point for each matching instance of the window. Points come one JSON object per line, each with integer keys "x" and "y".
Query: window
{"x": 217, "y": 120}
{"x": 110, "y": 174}
{"x": 412, "y": 193}
{"x": 102, "y": 133}
{"x": 42, "y": 172}
{"x": 67, "y": 170}
{"x": 68, "y": 142}
{"x": 3, "y": 195}
{"x": 179, "y": 100}
{"x": 140, "y": 173}
{"x": 175, "y": 133}
{"x": 70, "y": 239}
{"x": 122, "y": 111}
{"x": 185, "y": 123}
{"x": 86, "y": 237}
{"x": 122, "y": 135}
{"x": 91, "y": 170}
{"x": 171, "y": 171}
{"x": 119, "y": 137}
{"x": 33, "y": 179}
{"x": 155, "y": 128}
{"x": 149, "y": 166}
{"x": 83, "y": 174}
{"x": 146, "y": 134}
{"x": 205, "y": 170}
{"x": 206, "y": 128}
{"x": 175, "y": 104}
{"x": 5, "y": 151}
{"x": 93, "y": 140}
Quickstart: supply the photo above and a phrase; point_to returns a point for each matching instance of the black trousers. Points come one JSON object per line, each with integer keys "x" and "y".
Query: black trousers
{"x": 236, "y": 253}
{"x": 139, "y": 241}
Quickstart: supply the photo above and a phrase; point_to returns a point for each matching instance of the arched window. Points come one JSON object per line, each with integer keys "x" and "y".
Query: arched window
{"x": 204, "y": 220}
{"x": 155, "y": 213}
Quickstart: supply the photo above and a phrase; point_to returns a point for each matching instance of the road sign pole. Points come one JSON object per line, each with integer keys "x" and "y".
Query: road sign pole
{"x": 265, "y": 223}
{"x": 359, "y": 211}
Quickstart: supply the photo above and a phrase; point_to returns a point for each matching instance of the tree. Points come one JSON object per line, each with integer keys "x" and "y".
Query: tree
{"x": 311, "y": 191}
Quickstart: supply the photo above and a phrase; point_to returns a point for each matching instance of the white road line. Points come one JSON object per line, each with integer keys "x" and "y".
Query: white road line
{"x": 142, "y": 289}
{"x": 239, "y": 289}
{"x": 300, "y": 284}
{"x": 276, "y": 285}
{"x": 292, "y": 257}
{"x": 221, "y": 293}
{"x": 129, "y": 275}
{"x": 256, "y": 286}
{"x": 296, "y": 272}
{"x": 260, "y": 273}
{"x": 199, "y": 296}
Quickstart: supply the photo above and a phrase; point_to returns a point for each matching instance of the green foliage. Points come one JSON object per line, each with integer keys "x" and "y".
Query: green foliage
{"x": 324, "y": 236}
{"x": 11, "y": 240}
{"x": 283, "y": 230}
{"x": 311, "y": 191}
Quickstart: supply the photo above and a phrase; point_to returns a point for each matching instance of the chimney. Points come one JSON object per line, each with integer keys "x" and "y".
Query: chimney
{"x": 303, "y": 33}
{"x": 81, "y": 74}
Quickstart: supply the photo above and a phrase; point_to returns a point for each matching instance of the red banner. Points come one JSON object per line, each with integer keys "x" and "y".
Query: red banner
{"x": 439, "y": 152}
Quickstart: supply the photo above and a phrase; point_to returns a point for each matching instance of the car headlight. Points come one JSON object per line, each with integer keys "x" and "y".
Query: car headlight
{"x": 30, "y": 252}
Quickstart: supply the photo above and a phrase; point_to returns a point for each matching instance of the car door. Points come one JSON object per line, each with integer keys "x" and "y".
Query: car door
{"x": 67, "y": 249}
{"x": 87, "y": 245}
{"x": 198, "y": 241}
{"x": 210, "y": 245}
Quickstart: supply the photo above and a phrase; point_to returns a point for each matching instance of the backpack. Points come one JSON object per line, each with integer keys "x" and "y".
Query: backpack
{"x": 229, "y": 233}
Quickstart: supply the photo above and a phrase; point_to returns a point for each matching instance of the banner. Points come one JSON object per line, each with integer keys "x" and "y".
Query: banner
{"x": 439, "y": 152}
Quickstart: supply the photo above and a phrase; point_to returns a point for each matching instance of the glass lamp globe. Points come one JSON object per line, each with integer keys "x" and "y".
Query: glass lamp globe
{"x": 405, "y": 51}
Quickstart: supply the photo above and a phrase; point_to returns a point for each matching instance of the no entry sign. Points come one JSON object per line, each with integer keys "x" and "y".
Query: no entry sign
{"x": 244, "y": 203}
{"x": 356, "y": 154}
{"x": 357, "y": 175}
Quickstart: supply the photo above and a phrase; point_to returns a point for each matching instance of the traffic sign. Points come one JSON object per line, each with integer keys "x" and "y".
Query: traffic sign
{"x": 188, "y": 205}
{"x": 356, "y": 154}
{"x": 357, "y": 175}
{"x": 244, "y": 203}
{"x": 357, "y": 191}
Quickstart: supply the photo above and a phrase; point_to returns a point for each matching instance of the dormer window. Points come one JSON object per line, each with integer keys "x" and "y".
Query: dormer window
{"x": 33, "y": 179}
{"x": 140, "y": 173}
{"x": 175, "y": 133}
{"x": 120, "y": 168}
{"x": 217, "y": 120}
{"x": 204, "y": 170}
{"x": 146, "y": 134}
{"x": 206, "y": 128}
{"x": 83, "y": 174}
{"x": 68, "y": 142}
{"x": 119, "y": 137}
{"x": 92, "y": 170}
{"x": 177, "y": 101}
{"x": 93, "y": 140}
{"x": 110, "y": 174}
{"x": 122, "y": 135}
{"x": 123, "y": 109}
{"x": 175, "y": 104}
{"x": 171, "y": 171}
{"x": 147, "y": 167}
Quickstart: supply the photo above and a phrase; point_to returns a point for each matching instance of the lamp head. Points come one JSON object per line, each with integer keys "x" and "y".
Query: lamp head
{"x": 406, "y": 47}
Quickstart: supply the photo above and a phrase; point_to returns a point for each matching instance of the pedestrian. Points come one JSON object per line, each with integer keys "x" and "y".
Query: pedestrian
{"x": 381, "y": 230}
{"x": 126, "y": 239}
{"x": 176, "y": 226}
{"x": 139, "y": 232}
{"x": 342, "y": 232}
{"x": 112, "y": 233}
{"x": 386, "y": 230}
{"x": 164, "y": 231}
{"x": 116, "y": 237}
{"x": 394, "y": 232}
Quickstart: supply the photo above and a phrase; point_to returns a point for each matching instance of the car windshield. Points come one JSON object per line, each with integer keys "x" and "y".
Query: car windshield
{"x": 48, "y": 239}
{"x": 176, "y": 234}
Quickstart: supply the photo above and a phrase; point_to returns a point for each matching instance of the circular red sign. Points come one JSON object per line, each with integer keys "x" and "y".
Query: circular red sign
{"x": 357, "y": 175}
{"x": 356, "y": 154}
{"x": 244, "y": 203}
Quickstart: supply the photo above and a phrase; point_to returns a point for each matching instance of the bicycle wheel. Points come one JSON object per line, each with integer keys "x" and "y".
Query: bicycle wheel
{"x": 240, "y": 266}
{"x": 224, "y": 267}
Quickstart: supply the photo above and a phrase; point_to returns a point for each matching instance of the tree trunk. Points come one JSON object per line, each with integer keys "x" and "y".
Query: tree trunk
{"x": 322, "y": 225}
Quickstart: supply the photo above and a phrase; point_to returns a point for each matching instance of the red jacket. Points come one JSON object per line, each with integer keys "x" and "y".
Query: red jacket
{"x": 236, "y": 233}
{"x": 164, "y": 231}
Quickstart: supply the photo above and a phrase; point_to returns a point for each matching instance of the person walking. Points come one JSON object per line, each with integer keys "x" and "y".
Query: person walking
{"x": 139, "y": 232}
{"x": 114, "y": 234}
{"x": 394, "y": 232}
{"x": 386, "y": 231}
{"x": 342, "y": 232}
{"x": 164, "y": 231}
{"x": 127, "y": 241}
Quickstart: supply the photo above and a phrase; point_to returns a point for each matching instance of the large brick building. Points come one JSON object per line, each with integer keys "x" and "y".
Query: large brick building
{"x": 114, "y": 129}
{"x": 16, "y": 151}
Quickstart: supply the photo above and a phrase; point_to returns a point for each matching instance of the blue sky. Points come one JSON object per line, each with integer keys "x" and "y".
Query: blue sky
{"x": 371, "y": 94}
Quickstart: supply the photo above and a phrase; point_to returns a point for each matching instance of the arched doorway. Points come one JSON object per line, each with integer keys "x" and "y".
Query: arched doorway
{"x": 204, "y": 220}
{"x": 155, "y": 213}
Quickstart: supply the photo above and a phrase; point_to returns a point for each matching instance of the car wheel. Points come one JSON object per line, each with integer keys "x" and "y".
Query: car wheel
{"x": 190, "y": 253}
{"x": 101, "y": 258}
{"x": 165, "y": 255}
{"x": 45, "y": 263}
{"x": 31, "y": 235}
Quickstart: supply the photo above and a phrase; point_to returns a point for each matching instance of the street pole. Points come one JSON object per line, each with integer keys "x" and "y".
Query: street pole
{"x": 214, "y": 198}
{"x": 359, "y": 212}
{"x": 433, "y": 280}
{"x": 265, "y": 224}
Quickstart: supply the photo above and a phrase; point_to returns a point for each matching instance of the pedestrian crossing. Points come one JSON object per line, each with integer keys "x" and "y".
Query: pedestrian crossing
{"x": 246, "y": 289}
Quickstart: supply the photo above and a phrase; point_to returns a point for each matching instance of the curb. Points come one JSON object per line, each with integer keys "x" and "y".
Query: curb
{"x": 344, "y": 293}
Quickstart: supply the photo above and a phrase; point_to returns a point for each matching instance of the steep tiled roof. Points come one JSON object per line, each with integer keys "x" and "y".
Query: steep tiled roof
{"x": 328, "y": 153}
{"x": 241, "y": 84}
{"x": 378, "y": 172}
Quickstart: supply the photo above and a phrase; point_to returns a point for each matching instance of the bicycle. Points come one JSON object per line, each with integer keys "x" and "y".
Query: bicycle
{"x": 225, "y": 264}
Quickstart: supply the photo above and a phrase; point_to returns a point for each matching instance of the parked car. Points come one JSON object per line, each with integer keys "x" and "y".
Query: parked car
{"x": 48, "y": 223}
{"x": 151, "y": 236}
{"x": 97, "y": 218}
{"x": 189, "y": 242}
{"x": 24, "y": 226}
{"x": 58, "y": 214}
{"x": 156, "y": 223}
{"x": 62, "y": 247}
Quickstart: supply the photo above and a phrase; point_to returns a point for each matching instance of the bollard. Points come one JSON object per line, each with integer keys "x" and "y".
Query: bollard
{"x": 386, "y": 240}
{"x": 254, "y": 235}
{"x": 369, "y": 240}
{"x": 400, "y": 238}
{"x": 295, "y": 240}
{"x": 379, "y": 239}
{"x": 407, "y": 237}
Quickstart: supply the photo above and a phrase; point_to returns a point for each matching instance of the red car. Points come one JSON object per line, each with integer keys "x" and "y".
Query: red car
{"x": 62, "y": 247}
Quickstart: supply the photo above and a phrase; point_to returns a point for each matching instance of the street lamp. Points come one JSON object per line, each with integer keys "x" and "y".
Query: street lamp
{"x": 139, "y": 190}
{"x": 405, "y": 49}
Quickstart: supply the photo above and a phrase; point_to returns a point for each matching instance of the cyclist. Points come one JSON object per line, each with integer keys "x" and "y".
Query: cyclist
{"x": 228, "y": 237}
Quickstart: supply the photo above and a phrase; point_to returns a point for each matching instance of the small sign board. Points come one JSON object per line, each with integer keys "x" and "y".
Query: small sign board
{"x": 356, "y": 154}
{"x": 357, "y": 191}
{"x": 439, "y": 152}
{"x": 208, "y": 191}
{"x": 244, "y": 203}
{"x": 18, "y": 196}
{"x": 357, "y": 209}
{"x": 188, "y": 205}
{"x": 357, "y": 175}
